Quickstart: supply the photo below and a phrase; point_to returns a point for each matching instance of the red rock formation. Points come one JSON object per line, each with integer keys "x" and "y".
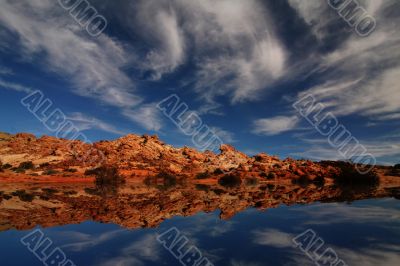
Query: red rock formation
{"x": 139, "y": 156}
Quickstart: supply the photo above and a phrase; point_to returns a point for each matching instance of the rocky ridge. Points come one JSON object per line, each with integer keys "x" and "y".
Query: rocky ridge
{"x": 140, "y": 156}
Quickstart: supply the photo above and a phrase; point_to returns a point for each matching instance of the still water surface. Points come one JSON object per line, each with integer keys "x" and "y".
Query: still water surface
{"x": 363, "y": 232}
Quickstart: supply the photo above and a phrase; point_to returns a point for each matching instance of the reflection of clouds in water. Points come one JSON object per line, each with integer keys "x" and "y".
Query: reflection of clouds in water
{"x": 245, "y": 263}
{"x": 339, "y": 213}
{"x": 122, "y": 261}
{"x": 388, "y": 255}
{"x": 379, "y": 255}
{"x": 147, "y": 248}
{"x": 208, "y": 224}
{"x": 278, "y": 239}
{"x": 368, "y": 254}
{"x": 273, "y": 238}
{"x": 71, "y": 236}
{"x": 276, "y": 244}
{"x": 85, "y": 241}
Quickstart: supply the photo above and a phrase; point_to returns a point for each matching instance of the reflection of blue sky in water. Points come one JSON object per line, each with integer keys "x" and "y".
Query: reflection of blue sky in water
{"x": 363, "y": 233}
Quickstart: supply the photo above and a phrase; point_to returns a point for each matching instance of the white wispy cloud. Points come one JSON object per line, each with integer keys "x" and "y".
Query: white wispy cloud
{"x": 311, "y": 11}
{"x": 362, "y": 73}
{"x": 224, "y": 135}
{"x": 275, "y": 125}
{"x": 158, "y": 22}
{"x": 147, "y": 115}
{"x": 6, "y": 71}
{"x": 356, "y": 77}
{"x": 14, "y": 86}
{"x": 233, "y": 44}
{"x": 395, "y": 116}
{"x": 319, "y": 149}
{"x": 92, "y": 65}
{"x": 86, "y": 122}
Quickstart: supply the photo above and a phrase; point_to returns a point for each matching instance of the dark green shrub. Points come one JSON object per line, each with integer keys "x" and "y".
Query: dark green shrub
{"x": 7, "y": 197}
{"x": 319, "y": 181}
{"x": 23, "y": 195}
{"x": 26, "y": 165}
{"x": 51, "y": 172}
{"x": 350, "y": 176}
{"x": 107, "y": 181}
{"x": 71, "y": 170}
{"x": 218, "y": 191}
{"x": 230, "y": 181}
{"x": 351, "y": 182}
{"x": 49, "y": 191}
{"x": 19, "y": 170}
{"x": 44, "y": 165}
{"x": 44, "y": 197}
{"x": 271, "y": 175}
{"x": 251, "y": 181}
{"x": 271, "y": 187}
{"x": 108, "y": 175}
{"x": 203, "y": 175}
{"x": 92, "y": 191}
{"x": 93, "y": 171}
{"x": 7, "y": 166}
{"x": 70, "y": 192}
{"x": 263, "y": 174}
{"x": 218, "y": 171}
{"x": 396, "y": 166}
{"x": 202, "y": 187}
{"x": 303, "y": 181}
{"x": 162, "y": 181}
{"x": 26, "y": 197}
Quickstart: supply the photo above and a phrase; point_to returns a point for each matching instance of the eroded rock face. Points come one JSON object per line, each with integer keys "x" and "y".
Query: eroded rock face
{"x": 135, "y": 156}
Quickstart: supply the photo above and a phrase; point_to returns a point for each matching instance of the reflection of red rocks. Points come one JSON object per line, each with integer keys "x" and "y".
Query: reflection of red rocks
{"x": 137, "y": 205}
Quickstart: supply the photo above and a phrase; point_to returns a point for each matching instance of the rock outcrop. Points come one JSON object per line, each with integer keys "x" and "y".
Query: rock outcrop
{"x": 140, "y": 156}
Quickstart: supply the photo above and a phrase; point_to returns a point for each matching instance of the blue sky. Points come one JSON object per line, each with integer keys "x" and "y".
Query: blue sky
{"x": 240, "y": 64}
